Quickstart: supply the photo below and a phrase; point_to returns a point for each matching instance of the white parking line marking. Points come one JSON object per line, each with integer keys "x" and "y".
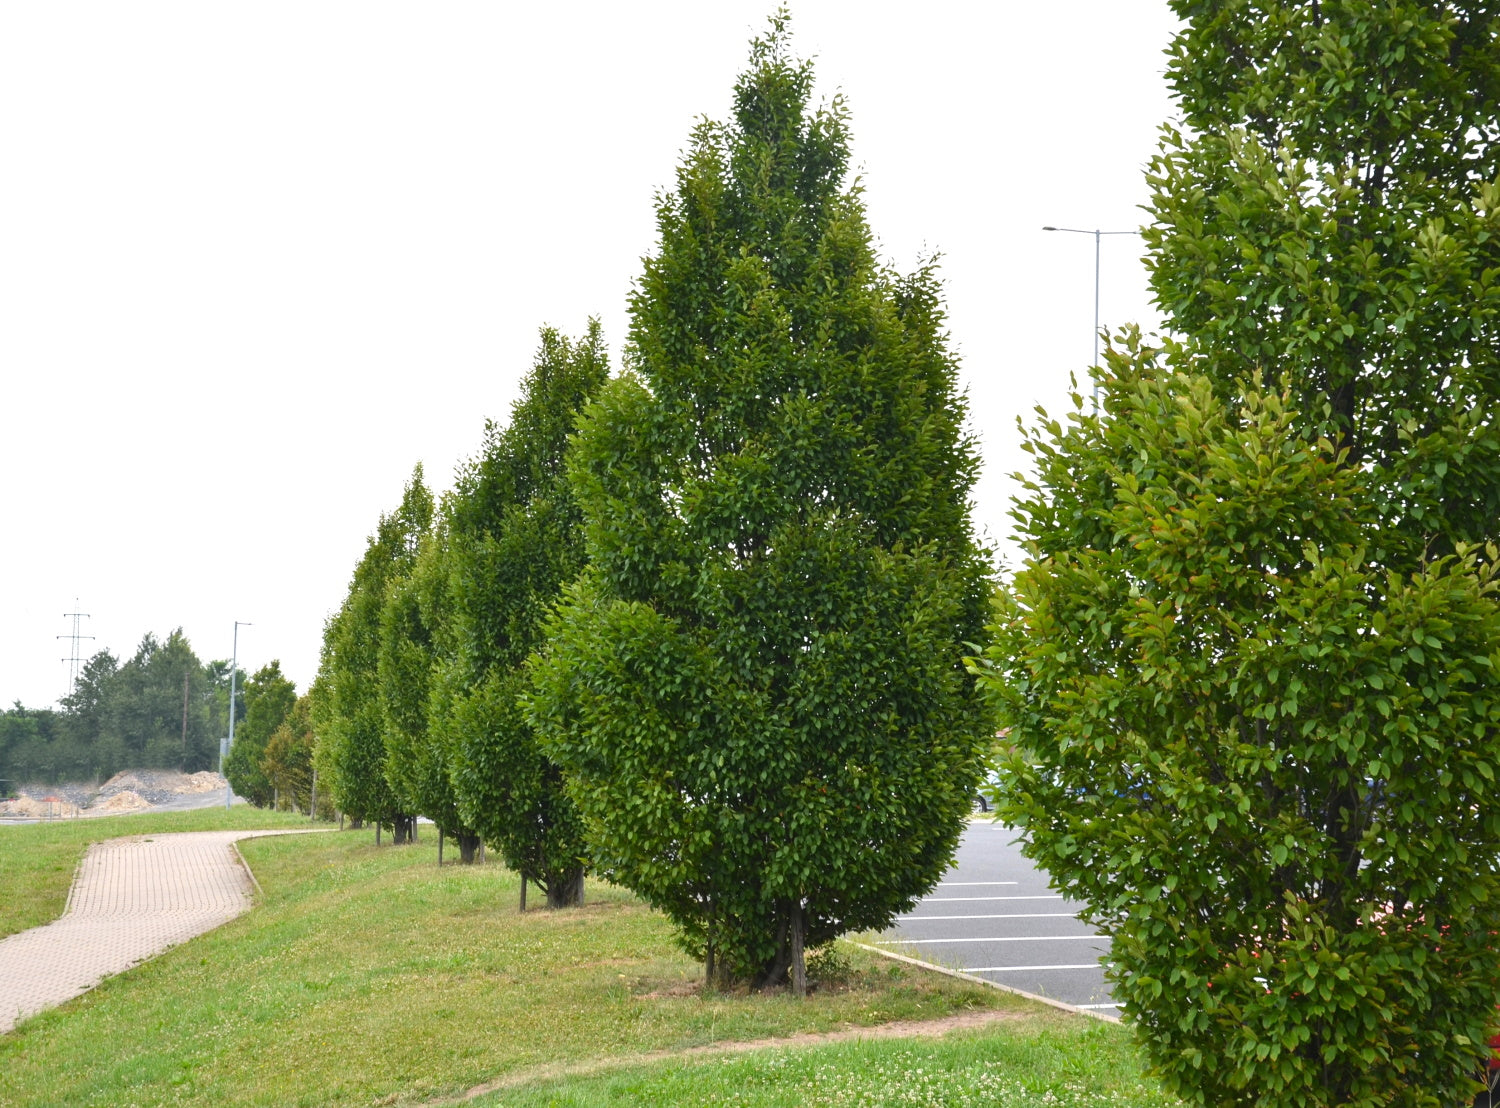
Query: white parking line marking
{"x": 956, "y": 899}
{"x": 1023, "y": 969}
{"x": 1002, "y": 939}
{"x": 958, "y": 884}
{"x": 1018, "y": 915}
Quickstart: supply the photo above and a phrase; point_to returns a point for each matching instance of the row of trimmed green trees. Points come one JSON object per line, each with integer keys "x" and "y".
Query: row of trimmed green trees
{"x": 699, "y": 627}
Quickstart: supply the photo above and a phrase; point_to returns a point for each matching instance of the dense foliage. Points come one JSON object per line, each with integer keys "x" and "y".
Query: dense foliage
{"x": 756, "y": 688}
{"x": 1263, "y": 761}
{"x": 1330, "y": 211}
{"x": 415, "y": 638}
{"x": 514, "y": 541}
{"x": 1250, "y": 663}
{"x": 288, "y": 761}
{"x": 269, "y": 697}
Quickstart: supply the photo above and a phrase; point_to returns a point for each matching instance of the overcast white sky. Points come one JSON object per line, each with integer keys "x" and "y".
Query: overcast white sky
{"x": 256, "y": 260}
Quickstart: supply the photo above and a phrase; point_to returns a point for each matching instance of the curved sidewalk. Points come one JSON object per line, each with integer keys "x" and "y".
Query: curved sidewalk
{"x": 131, "y": 899}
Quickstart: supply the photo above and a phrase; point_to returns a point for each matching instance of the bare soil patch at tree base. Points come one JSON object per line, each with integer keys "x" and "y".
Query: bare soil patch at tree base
{"x": 901, "y": 1029}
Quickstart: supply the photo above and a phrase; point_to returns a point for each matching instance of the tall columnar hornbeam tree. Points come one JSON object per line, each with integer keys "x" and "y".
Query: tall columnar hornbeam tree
{"x": 351, "y": 715}
{"x": 514, "y": 541}
{"x": 756, "y": 688}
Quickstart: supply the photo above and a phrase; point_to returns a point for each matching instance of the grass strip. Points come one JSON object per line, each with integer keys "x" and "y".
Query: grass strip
{"x": 1028, "y": 1065}
{"x": 370, "y": 976}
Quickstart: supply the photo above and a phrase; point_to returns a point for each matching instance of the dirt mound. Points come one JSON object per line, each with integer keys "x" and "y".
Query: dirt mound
{"x": 202, "y": 782}
{"x": 126, "y": 801}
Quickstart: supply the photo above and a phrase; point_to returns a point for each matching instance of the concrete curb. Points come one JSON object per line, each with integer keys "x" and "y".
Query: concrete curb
{"x": 260, "y": 893}
{"x": 1103, "y": 1016}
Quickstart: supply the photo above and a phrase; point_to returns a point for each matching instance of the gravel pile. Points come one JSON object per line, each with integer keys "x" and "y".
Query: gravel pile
{"x": 79, "y": 796}
{"x": 158, "y": 786}
{"x": 131, "y": 791}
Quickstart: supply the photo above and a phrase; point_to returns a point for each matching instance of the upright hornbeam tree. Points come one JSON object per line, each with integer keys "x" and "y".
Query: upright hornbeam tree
{"x": 756, "y": 689}
{"x": 1251, "y": 662}
{"x": 351, "y": 716}
{"x": 514, "y": 540}
{"x": 415, "y": 639}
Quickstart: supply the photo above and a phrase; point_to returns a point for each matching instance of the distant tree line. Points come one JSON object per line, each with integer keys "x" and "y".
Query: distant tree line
{"x": 162, "y": 709}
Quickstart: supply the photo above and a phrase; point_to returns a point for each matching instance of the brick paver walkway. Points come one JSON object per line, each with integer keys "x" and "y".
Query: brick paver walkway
{"x": 132, "y": 899}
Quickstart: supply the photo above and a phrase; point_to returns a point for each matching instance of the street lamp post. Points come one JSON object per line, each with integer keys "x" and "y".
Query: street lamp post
{"x": 234, "y": 668}
{"x": 1097, "y": 236}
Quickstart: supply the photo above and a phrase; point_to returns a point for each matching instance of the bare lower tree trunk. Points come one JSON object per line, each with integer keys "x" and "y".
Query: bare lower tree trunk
{"x": 440, "y": 846}
{"x": 377, "y": 832}
{"x": 565, "y": 890}
{"x": 523, "y": 891}
{"x": 468, "y": 847}
{"x": 799, "y": 965}
{"x": 776, "y": 974}
{"x": 403, "y": 830}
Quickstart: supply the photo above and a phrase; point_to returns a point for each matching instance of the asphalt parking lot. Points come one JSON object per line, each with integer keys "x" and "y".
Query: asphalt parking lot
{"x": 995, "y": 917}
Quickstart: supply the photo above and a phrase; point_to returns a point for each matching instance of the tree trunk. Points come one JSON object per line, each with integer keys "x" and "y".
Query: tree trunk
{"x": 565, "y": 890}
{"x": 403, "y": 830}
{"x": 776, "y": 974}
{"x": 468, "y": 847}
{"x": 523, "y": 890}
{"x": 799, "y": 965}
{"x": 440, "y": 846}
{"x": 377, "y": 832}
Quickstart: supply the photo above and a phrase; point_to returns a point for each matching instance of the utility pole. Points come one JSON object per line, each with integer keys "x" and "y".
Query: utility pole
{"x": 234, "y": 668}
{"x": 184, "y": 719}
{"x": 1097, "y": 236}
{"x": 74, "y": 659}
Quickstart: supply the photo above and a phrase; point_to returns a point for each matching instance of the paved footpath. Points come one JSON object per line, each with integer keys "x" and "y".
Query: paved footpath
{"x": 132, "y": 899}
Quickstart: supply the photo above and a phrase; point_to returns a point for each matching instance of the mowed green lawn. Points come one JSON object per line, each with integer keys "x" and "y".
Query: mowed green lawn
{"x": 370, "y": 976}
